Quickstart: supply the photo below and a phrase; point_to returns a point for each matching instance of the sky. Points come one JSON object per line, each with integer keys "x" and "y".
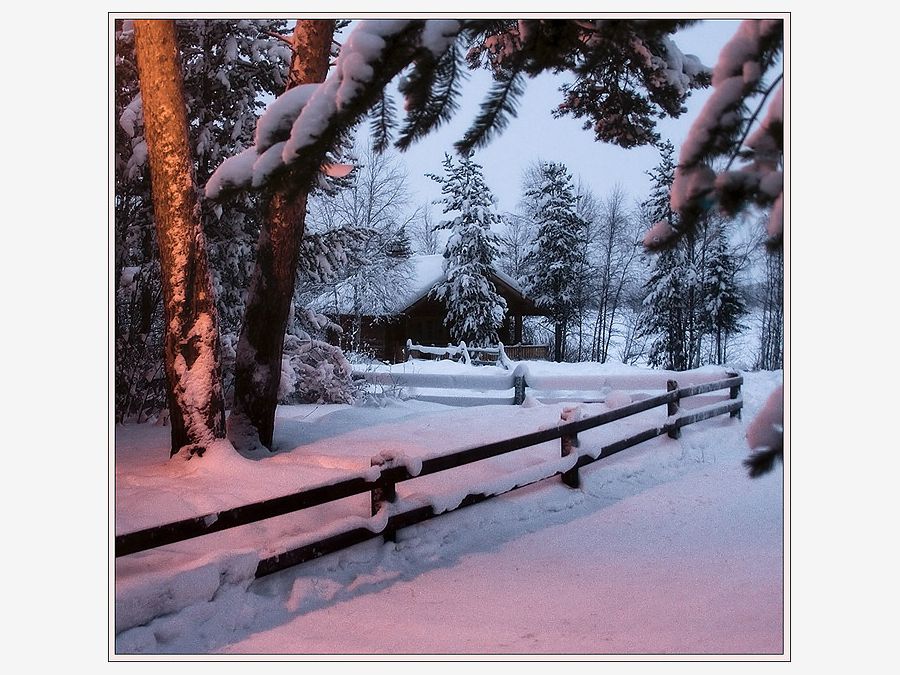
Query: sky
{"x": 535, "y": 134}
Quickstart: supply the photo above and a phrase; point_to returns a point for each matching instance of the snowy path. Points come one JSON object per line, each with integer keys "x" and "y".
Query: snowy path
{"x": 646, "y": 569}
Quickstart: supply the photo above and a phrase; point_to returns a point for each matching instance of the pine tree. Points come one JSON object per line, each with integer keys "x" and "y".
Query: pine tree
{"x": 400, "y": 245}
{"x": 667, "y": 318}
{"x": 753, "y": 173}
{"x": 629, "y": 73}
{"x": 670, "y": 286}
{"x": 229, "y": 66}
{"x": 270, "y": 296}
{"x": 551, "y": 265}
{"x": 196, "y": 406}
{"x": 724, "y": 304}
{"x": 474, "y": 308}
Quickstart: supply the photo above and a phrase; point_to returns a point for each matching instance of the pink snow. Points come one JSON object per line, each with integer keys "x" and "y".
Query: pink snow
{"x": 235, "y": 172}
{"x": 658, "y": 234}
{"x": 667, "y": 548}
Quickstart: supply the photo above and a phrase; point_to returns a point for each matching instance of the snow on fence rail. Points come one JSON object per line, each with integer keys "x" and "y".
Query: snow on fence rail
{"x": 477, "y": 355}
{"x": 388, "y": 515}
{"x": 486, "y": 386}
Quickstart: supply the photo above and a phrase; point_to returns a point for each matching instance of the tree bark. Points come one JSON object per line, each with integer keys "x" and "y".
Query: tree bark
{"x": 191, "y": 352}
{"x": 559, "y": 341}
{"x": 258, "y": 364}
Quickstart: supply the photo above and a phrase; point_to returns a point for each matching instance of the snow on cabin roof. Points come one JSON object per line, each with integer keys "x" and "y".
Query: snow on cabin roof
{"x": 425, "y": 271}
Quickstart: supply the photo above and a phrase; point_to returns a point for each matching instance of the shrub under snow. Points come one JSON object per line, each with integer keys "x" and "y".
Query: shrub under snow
{"x": 313, "y": 371}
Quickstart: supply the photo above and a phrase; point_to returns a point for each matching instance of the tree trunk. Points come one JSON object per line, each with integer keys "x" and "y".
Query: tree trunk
{"x": 560, "y": 341}
{"x": 191, "y": 353}
{"x": 258, "y": 364}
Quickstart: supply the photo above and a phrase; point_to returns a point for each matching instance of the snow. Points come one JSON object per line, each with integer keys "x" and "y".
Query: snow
{"x": 735, "y": 76}
{"x": 235, "y": 172}
{"x": 131, "y": 115}
{"x": 297, "y": 119}
{"x": 438, "y": 34}
{"x": 742, "y": 48}
{"x": 659, "y": 234}
{"x": 127, "y": 277}
{"x": 725, "y": 97}
{"x": 666, "y": 548}
{"x": 353, "y": 68}
{"x": 427, "y": 271}
{"x": 767, "y": 428}
{"x": 266, "y": 164}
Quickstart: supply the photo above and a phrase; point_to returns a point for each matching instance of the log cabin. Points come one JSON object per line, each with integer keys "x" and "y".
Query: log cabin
{"x": 414, "y": 314}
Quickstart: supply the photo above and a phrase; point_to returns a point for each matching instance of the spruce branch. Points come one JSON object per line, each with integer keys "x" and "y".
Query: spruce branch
{"x": 384, "y": 120}
{"x": 762, "y": 462}
{"x": 750, "y": 122}
{"x": 496, "y": 110}
{"x": 431, "y": 92}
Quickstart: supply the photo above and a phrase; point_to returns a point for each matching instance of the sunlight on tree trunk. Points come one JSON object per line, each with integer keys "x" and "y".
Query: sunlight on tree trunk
{"x": 259, "y": 351}
{"x": 191, "y": 355}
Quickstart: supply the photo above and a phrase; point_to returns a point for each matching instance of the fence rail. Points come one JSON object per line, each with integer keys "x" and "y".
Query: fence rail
{"x": 501, "y": 355}
{"x": 391, "y": 471}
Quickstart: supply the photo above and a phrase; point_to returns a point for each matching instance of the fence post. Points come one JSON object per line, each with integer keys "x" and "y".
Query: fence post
{"x": 568, "y": 443}
{"x": 519, "y": 384}
{"x": 672, "y": 408}
{"x": 381, "y": 496}
{"x": 734, "y": 392}
{"x": 407, "y": 350}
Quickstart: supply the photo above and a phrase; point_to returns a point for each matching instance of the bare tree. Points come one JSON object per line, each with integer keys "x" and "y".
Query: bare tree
{"x": 771, "y": 346}
{"x": 588, "y": 209}
{"x": 425, "y": 237}
{"x": 376, "y": 202}
{"x": 191, "y": 353}
{"x": 633, "y": 345}
{"x": 516, "y": 237}
{"x": 618, "y": 255}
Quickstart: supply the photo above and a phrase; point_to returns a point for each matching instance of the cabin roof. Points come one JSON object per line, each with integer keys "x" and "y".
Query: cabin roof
{"x": 424, "y": 273}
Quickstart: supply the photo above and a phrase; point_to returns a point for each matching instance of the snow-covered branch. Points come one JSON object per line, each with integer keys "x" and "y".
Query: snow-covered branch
{"x": 720, "y": 130}
{"x": 298, "y": 130}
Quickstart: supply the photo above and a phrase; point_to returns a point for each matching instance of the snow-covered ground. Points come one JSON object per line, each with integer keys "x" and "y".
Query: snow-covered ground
{"x": 667, "y": 548}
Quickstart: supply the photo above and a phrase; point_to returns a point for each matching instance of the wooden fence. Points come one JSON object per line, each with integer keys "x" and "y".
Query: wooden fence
{"x": 383, "y": 488}
{"x": 528, "y": 352}
{"x": 501, "y": 355}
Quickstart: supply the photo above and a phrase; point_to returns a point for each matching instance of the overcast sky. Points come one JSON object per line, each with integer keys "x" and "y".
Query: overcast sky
{"x": 536, "y": 134}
